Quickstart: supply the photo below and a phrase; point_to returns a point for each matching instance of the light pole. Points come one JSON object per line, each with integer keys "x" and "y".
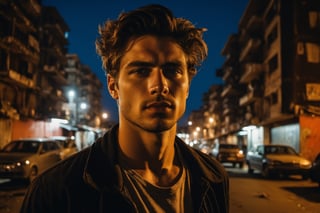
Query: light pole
{"x": 73, "y": 106}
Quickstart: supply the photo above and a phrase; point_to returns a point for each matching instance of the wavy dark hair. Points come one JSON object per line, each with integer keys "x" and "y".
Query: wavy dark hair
{"x": 114, "y": 36}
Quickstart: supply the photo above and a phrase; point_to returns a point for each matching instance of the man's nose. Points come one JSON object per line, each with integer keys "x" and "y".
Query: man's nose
{"x": 158, "y": 83}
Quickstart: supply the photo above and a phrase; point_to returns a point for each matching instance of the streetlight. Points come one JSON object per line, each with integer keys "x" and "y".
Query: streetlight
{"x": 71, "y": 95}
{"x": 73, "y": 106}
{"x": 104, "y": 115}
{"x": 83, "y": 105}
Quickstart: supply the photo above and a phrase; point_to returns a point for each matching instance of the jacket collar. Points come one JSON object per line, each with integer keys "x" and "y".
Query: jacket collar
{"x": 102, "y": 168}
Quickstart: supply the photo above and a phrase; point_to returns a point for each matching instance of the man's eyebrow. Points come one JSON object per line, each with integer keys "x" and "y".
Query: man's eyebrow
{"x": 140, "y": 64}
{"x": 150, "y": 64}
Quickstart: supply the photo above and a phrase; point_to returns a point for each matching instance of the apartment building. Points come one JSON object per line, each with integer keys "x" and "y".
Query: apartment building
{"x": 271, "y": 73}
{"x": 83, "y": 91}
{"x": 34, "y": 75}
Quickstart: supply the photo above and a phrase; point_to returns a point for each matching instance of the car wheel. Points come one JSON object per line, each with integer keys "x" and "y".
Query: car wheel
{"x": 33, "y": 174}
{"x": 265, "y": 171}
{"x": 240, "y": 165}
{"x": 250, "y": 170}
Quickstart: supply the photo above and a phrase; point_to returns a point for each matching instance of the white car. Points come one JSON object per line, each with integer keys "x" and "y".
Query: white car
{"x": 27, "y": 158}
{"x": 274, "y": 159}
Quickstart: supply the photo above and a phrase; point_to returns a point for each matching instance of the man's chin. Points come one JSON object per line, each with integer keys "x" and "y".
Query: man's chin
{"x": 160, "y": 126}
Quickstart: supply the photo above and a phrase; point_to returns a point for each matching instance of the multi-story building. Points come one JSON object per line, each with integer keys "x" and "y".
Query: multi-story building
{"x": 83, "y": 93}
{"x": 33, "y": 78}
{"x": 52, "y": 76}
{"x": 19, "y": 58}
{"x": 272, "y": 78}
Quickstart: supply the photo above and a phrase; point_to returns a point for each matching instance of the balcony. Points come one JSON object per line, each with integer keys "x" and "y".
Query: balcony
{"x": 231, "y": 89}
{"x": 12, "y": 44}
{"x": 227, "y": 73}
{"x": 53, "y": 73}
{"x": 21, "y": 79}
{"x": 250, "y": 97}
{"x": 251, "y": 46}
{"x": 251, "y": 71}
{"x": 226, "y": 90}
{"x": 32, "y": 7}
{"x": 255, "y": 25}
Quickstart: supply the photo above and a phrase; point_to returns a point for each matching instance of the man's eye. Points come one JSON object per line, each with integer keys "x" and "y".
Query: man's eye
{"x": 172, "y": 72}
{"x": 142, "y": 72}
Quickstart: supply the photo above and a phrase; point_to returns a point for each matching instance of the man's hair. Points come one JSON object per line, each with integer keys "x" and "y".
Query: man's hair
{"x": 149, "y": 20}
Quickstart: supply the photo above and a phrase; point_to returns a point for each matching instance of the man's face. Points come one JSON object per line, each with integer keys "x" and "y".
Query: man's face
{"x": 153, "y": 84}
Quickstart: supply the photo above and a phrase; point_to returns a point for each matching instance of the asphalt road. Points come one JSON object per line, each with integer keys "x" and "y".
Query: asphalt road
{"x": 252, "y": 193}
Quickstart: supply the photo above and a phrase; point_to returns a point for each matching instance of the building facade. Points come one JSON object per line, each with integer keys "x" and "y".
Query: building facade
{"x": 35, "y": 75}
{"x": 271, "y": 91}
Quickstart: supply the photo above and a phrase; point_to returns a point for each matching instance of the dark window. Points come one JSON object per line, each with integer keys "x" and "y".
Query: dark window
{"x": 272, "y": 12}
{"x": 273, "y": 64}
{"x": 274, "y": 98}
{"x": 272, "y": 36}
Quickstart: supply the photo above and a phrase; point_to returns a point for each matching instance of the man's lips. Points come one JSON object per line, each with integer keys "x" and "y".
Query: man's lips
{"x": 159, "y": 104}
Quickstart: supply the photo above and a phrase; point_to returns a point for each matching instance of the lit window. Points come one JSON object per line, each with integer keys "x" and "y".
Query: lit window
{"x": 314, "y": 19}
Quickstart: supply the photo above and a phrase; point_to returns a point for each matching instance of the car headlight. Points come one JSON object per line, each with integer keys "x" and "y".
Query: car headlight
{"x": 20, "y": 164}
{"x": 240, "y": 154}
{"x": 12, "y": 165}
{"x": 305, "y": 163}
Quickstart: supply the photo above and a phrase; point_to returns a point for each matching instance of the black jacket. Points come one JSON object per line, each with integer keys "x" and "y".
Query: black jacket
{"x": 91, "y": 181}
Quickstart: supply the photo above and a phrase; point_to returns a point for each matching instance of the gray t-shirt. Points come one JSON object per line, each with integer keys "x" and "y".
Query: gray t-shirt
{"x": 151, "y": 198}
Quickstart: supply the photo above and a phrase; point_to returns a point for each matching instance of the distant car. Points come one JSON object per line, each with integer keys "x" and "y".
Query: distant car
{"x": 27, "y": 158}
{"x": 68, "y": 145}
{"x": 315, "y": 170}
{"x": 229, "y": 153}
{"x": 274, "y": 160}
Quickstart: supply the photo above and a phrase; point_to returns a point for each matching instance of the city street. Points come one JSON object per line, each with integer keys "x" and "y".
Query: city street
{"x": 252, "y": 193}
{"x": 248, "y": 194}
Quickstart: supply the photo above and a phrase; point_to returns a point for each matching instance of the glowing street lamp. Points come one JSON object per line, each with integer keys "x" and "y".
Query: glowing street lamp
{"x": 83, "y": 106}
{"x": 104, "y": 115}
{"x": 73, "y": 106}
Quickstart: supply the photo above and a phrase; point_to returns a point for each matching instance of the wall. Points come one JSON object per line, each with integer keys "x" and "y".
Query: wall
{"x": 5, "y": 130}
{"x": 30, "y": 128}
{"x": 287, "y": 135}
{"x": 310, "y": 136}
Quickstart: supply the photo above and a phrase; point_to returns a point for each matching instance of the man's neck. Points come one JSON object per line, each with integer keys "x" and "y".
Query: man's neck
{"x": 150, "y": 154}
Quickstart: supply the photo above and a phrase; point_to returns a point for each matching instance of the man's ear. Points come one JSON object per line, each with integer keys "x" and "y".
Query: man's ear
{"x": 188, "y": 92}
{"x": 112, "y": 87}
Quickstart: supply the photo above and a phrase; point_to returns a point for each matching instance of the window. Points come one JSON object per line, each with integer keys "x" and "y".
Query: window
{"x": 272, "y": 36}
{"x": 271, "y": 13}
{"x": 314, "y": 20}
{"x": 273, "y": 64}
{"x": 274, "y": 98}
{"x": 3, "y": 59}
{"x": 313, "y": 52}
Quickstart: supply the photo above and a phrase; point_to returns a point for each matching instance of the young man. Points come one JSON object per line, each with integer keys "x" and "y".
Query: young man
{"x": 140, "y": 165}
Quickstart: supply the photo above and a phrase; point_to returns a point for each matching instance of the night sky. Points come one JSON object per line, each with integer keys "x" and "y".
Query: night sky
{"x": 221, "y": 18}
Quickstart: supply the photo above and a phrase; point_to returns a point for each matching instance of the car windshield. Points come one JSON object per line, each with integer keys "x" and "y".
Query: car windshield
{"x": 280, "y": 150}
{"x": 22, "y": 146}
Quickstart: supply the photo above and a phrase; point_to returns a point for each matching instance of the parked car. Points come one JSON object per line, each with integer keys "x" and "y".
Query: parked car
{"x": 272, "y": 160}
{"x": 315, "y": 170}
{"x": 27, "y": 158}
{"x": 229, "y": 153}
{"x": 68, "y": 145}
